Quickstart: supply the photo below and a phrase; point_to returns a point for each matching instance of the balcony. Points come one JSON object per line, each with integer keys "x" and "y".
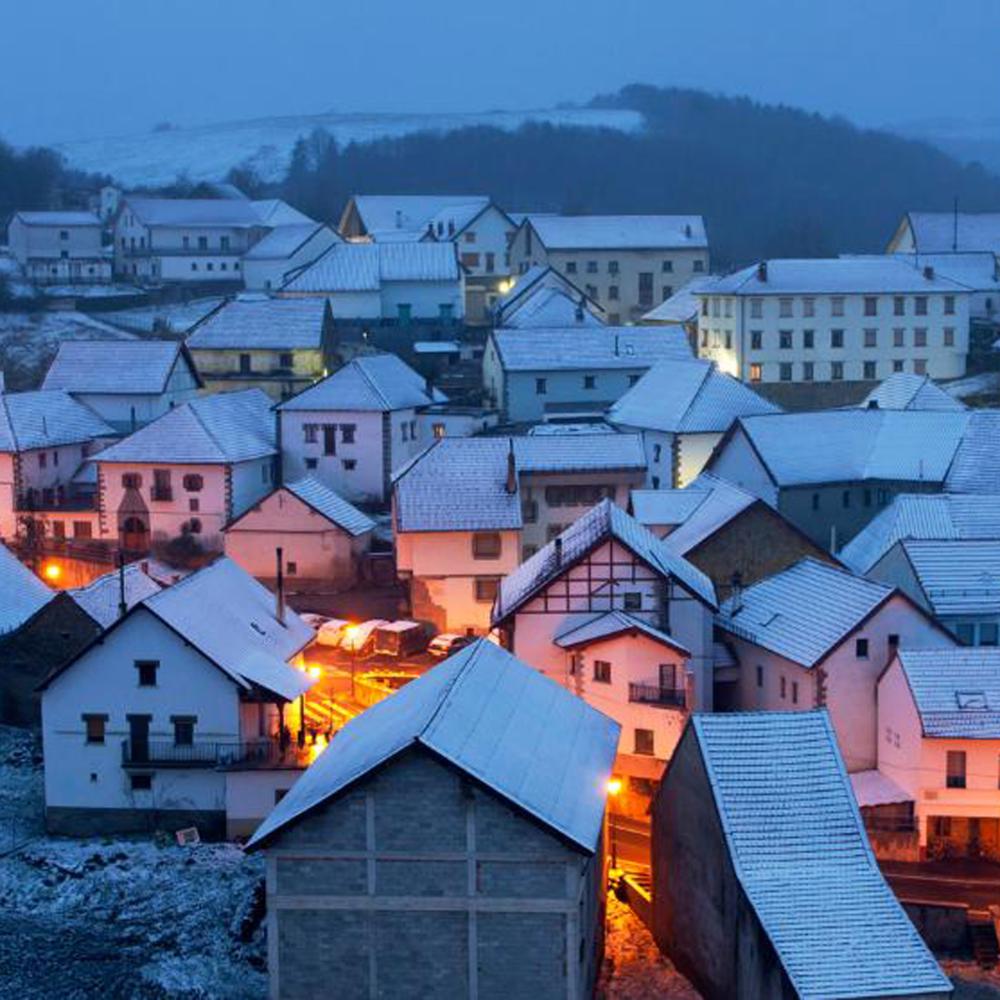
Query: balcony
{"x": 229, "y": 756}
{"x": 653, "y": 694}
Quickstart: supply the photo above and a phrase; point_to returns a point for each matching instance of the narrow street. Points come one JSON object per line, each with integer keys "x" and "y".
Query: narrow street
{"x": 975, "y": 884}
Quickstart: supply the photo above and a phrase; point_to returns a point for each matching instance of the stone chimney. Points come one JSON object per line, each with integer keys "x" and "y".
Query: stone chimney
{"x": 762, "y": 271}
{"x": 511, "y": 484}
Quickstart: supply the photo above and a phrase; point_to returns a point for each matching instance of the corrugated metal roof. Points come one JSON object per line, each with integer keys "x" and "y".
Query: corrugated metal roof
{"x": 583, "y": 629}
{"x": 363, "y": 267}
{"x": 220, "y": 428}
{"x": 620, "y": 232}
{"x": 228, "y": 213}
{"x": 331, "y": 505}
{"x": 956, "y": 691}
{"x": 256, "y": 321}
{"x": 492, "y": 716}
{"x": 112, "y": 366}
{"x": 802, "y": 856}
{"x": 957, "y": 577}
{"x": 45, "y": 418}
{"x": 942, "y": 232}
{"x": 58, "y": 218}
{"x": 602, "y": 522}
{"x": 941, "y": 516}
{"x": 575, "y": 348}
{"x": 905, "y": 391}
{"x": 976, "y": 468}
{"x": 803, "y": 612}
{"x": 101, "y": 598}
{"x": 22, "y": 594}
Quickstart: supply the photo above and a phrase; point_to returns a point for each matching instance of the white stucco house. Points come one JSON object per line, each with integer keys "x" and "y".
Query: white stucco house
{"x": 128, "y": 383}
{"x": 267, "y": 264}
{"x": 59, "y": 247}
{"x": 174, "y": 716}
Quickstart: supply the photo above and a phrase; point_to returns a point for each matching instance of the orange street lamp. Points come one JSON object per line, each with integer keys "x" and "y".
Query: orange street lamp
{"x": 52, "y": 571}
{"x": 614, "y": 788}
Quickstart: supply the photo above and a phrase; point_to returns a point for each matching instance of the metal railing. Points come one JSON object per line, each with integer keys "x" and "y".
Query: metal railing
{"x": 248, "y": 754}
{"x": 653, "y": 694}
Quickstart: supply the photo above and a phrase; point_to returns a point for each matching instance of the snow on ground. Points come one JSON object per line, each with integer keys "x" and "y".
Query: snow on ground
{"x": 173, "y": 318}
{"x": 209, "y": 152}
{"x": 974, "y": 385}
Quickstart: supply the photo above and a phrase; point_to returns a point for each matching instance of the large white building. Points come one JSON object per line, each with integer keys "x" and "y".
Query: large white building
{"x": 59, "y": 247}
{"x": 836, "y": 319}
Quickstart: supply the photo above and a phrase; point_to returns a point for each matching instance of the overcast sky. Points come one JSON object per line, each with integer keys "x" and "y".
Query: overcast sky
{"x": 74, "y": 69}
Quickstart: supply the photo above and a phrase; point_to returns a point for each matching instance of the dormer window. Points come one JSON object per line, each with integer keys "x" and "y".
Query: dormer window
{"x": 970, "y": 701}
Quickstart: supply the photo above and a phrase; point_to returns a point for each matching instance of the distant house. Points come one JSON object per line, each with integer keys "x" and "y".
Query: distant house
{"x": 571, "y": 373}
{"x": 188, "y": 473}
{"x": 776, "y": 893}
{"x": 479, "y": 229}
{"x": 682, "y": 409}
{"x": 610, "y": 613}
{"x": 286, "y": 248}
{"x": 542, "y": 297}
{"x": 59, "y": 247}
{"x": 627, "y": 263}
{"x": 977, "y": 271}
{"x": 682, "y": 308}
{"x": 910, "y": 392}
{"x": 353, "y": 428}
{"x": 252, "y": 341}
{"x": 127, "y": 383}
{"x": 320, "y": 535}
{"x": 727, "y": 533}
{"x": 174, "y": 717}
{"x": 947, "y": 233}
{"x": 501, "y": 890}
{"x": 402, "y": 282}
{"x": 816, "y": 636}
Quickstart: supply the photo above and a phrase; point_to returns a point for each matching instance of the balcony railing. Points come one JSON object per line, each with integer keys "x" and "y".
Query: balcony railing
{"x": 241, "y": 755}
{"x": 653, "y": 694}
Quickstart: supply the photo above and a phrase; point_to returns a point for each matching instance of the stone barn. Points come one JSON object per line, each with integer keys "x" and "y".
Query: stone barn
{"x": 447, "y": 844}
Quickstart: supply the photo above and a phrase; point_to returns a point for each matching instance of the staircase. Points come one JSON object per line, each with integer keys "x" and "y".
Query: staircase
{"x": 984, "y": 938}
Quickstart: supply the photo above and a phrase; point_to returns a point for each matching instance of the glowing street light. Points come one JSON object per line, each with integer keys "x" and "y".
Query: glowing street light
{"x": 614, "y": 788}
{"x": 52, "y": 571}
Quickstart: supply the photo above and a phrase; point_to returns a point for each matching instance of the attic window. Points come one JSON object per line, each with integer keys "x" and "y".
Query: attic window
{"x": 971, "y": 700}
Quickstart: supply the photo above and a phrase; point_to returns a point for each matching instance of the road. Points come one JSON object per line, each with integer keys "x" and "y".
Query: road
{"x": 974, "y": 884}
{"x": 628, "y": 839}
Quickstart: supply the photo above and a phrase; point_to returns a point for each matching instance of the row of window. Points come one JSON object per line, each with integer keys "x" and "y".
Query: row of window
{"x": 210, "y": 265}
{"x": 807, "y": 372}
{"x": 588, "y": 381}
{"x": 471, "y": 260}
{"x": 977, "y": 633}
{"x": 162, "y": 483}
{"x": 723, "y": 306}
{"x": 666, "y": 267}
{"x": 786, "y": 338}
{"x": 347, "y": 464}
{"x": 201, "y": 243}
{"x": 867, "y": 497}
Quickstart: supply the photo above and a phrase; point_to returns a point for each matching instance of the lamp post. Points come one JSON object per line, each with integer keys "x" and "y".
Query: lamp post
{"x": 351, "y": 638}
{"x": 614, "y": 788}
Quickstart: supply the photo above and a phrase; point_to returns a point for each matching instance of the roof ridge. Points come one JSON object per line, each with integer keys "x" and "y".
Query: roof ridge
{"x": 370, "y": 380}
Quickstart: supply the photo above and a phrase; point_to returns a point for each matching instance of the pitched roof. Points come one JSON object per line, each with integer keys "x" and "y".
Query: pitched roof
{"x": 229, "y": 213}
{"x": 683, "y": 305}
{"x": 803, "y": 612}
{"x": 275, "y": 212}
{"x": 220, "y": 428}
{"x": 976, "y": 467}
{"x": 22, "y": 594}
{"x": 944, "y": 516}
{"x": 624, "y": 232}
{"x": 45, "y": 418}
{"x": 801, "y": 853}
{"x": 976, "y": 270}
{"x": 584, "y": 629}
{"x": 576, "y": 348}
{"x": 101, "y": 598}
{"x": 687, "y": 397}
{"x": 331, "y": 505}
{"x": 602, "y": 522}
{"x": 495, "y": 718}
{"x": 956, "y": 691}
{"x": 957, "y": 577}
{"x": 364, "y": 267}
{"x": 379, "y": 382}
{"x": 550, "y": 308}
{"x": 386, "y": 215}
{"x": 257, "y": 321}
{"x": 66, "y": 218}
{"x": 936, "y": 232}
{"x": 909, "y": 445}
{"x": 282, "y": 241}
{"x": 873, "y": 788}
{"x": 833, "y": 275}
{"x": 905, "y": 391}
{"x": 114, "y": 367}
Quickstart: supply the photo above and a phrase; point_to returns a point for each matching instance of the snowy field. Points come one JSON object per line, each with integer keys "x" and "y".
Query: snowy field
{"x": 209, "y": 152}
{"x": 175, "y": 318}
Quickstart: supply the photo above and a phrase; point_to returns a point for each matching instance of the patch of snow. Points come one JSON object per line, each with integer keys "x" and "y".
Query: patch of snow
{"x": 175, "y": 318}
{"x": 974, "y": 385}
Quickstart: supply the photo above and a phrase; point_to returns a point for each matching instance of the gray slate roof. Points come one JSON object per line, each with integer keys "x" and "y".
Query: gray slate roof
{"x": 113, "y": 367}
{"x": 101, "y": 598}
{"x": 620, "y": 232}
{"x": 905, "y": 391}
{"x": 331, "y": 505}
{"x": 22, "y": 594}
{"x": 364, "y": 267}
{"x": 957, "y": 577}
{"x": 256, "y": 321}
{"x": 801, "y": 853}
{"x": 502, "y": 722}
{"x": 46, "y": 418}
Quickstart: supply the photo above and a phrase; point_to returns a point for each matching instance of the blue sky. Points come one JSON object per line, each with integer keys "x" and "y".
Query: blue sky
{"x": 107, "y": 67}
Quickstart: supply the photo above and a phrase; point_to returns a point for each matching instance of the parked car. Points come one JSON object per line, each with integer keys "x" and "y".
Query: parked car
{"x": 358, "y": 638}
{"x": 331, "y": 632}
{"x": 447, "y": 643}
{"x": 400, "y": 639}
{"x": 313, "y": 620}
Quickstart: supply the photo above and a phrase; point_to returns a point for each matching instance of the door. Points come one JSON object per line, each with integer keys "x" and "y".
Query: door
{"x": 135, "y": 535}
{"x": 668, "y": 677}
{"x": 329, "y": 439}
{"x": 138, "y": 737}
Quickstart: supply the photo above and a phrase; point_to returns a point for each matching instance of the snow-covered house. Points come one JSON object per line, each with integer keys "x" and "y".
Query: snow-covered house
{"x": 320, "y": 535}
{"x": 188, "y": 473}
{"x": 352, "y": 429}
{"x": 277, "y": 345}
{"x": 627, "y": 263}
{"x": 45, "y": 435}
{"x": 946, "y": 233}
{"x": 178, "y": 715}
{"x": 127, "y": 383}
{"x": 108, "y": 597}
{"x": 816, "y": 636}
{"x": 461, "y": 821}
{"x": 682, "y": 409}
{"x": 977, "y": 271}
{"x": 22, "y": 594}
{"x": 571, "y": 373}
{"x": 610, "y": 613}
{"x": 286, "y": 248}
{"x": 904, "y": 391}
{"x": 542, "y": 297}
{"x": 683, "y": 307}
{"x": 939, "y": 743}
{"x": 776, "y": 893}
{"x": 59, "y": 247}
{"x": 402, "y": 282}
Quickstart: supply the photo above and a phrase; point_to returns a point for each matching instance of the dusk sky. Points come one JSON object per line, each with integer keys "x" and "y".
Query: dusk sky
{"x": 76, "y": 70}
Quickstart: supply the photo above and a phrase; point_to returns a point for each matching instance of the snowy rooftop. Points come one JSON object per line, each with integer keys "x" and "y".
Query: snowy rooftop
{"x": 604, "y": 521}
{"x": 687, "y": 397}
{"x": 583, "y": 629}
{"x": 492, "y": 716}
{"x": 835, "y": 275}
{"x": 275, "y": 212}
{"x": 331, "y": 505}
{"x": 976, "y": 468}
{"x": 258, "y": 322}
{"x": 45, "y": 418}
{"x": 58, "y": 218}
{"x": 944, "y": 516}
{"x": 282, "y": 241}
{"x": 957, "y": 577}
{"x": 379, "y": 382}
{"x": 978, "y": 271}
{"x": 577, "y": 348}
{"x": 906, "y": 391}
{"x": 220, "y": 428}
{"x": 873, "y": 788}
{"x": 801, "y": 853}
{"x": 956, "y": 691}
{"x": 683, "y": 305}
{"x": 935, "y": 232}
{"x": 620, "y": 232}
{"x": 363, "y": 267}
{"x": 384, "y": 215}
{"x": 804, "y": 612}
{"x": 113, "y": 366}
{"x": 101, "y": 598}
{"x": 22, "y": 594}
{"x": 228, "y": 213}
{"x": 549, "y": 308}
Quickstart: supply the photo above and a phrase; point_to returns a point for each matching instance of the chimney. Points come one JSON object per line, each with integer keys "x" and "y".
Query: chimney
{"x": 616, "y": 345}
{"x": 558, "y": 551}
{"x": 872, "y": 404}
{"x": 279, "y": 595}
{"x": 511, "y": 484}
{"x": 3, "y": 386}
{"x": 122, "y": 602}
{"x": 430, "y": 229}
{"x": 429, "y": 388}
{"x": 736, "y": 591}
{"x": 762, "y": 271}
{"x": 399, "y": 218}
{"x": 929, "y": 272}
{"x": 579, "y": 310}
{"x": 687, "y": 230}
